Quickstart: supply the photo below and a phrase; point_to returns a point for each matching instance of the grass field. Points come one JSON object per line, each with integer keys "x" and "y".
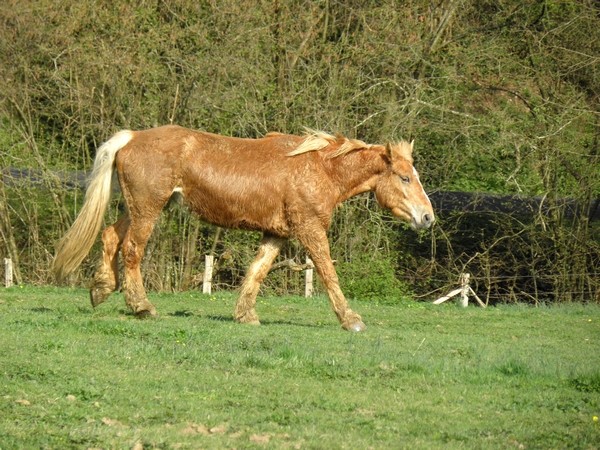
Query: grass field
{"x": 421, "y": 376}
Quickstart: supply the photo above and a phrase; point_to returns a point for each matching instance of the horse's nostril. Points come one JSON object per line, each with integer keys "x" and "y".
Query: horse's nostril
{"x": 427, "y": 218}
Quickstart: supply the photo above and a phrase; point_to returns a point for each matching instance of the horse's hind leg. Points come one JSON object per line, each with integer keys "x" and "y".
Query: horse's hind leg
{"x": 258, "y": 270}
{"x": 133, "y": 247}
{"x": 106, "y": 279}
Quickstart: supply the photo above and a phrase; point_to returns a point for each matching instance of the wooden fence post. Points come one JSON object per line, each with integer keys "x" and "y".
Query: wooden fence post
{"x": 464, "y": 290}
{"x": 308, "y": 278}
{"x": 464, "y": 293}
{"x": 208, "y": 272}
{"x": 8, "y": 272}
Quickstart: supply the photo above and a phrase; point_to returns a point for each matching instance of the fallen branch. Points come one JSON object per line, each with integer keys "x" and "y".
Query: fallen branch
{"x": 291, "y": 264}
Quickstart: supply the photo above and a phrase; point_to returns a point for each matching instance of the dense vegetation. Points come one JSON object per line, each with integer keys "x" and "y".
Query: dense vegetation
{"x": 421, "y": 377}
{"x": 501, "y": 97}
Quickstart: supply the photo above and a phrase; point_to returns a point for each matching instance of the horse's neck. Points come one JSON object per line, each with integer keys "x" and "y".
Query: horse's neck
{"x": 357, "y": 172}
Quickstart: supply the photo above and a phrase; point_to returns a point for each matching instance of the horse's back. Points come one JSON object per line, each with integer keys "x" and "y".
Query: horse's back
{"x": 175, "y": 143}
{"x": 233, "y": 182}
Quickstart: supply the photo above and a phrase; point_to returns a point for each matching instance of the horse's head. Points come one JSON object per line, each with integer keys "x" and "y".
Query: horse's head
{"x": 399, "y": 188}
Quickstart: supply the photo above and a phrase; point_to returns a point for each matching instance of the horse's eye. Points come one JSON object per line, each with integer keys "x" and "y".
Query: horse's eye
{"x": 404, "y": 179}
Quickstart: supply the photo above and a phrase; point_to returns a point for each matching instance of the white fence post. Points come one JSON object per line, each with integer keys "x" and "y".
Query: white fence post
{"x": 208, "y": 272}
{"x": 464, "y": 290}
{"x": 308, "y": 278}
{"x": 464, "y": 293}
{"x": 8, "y": 272}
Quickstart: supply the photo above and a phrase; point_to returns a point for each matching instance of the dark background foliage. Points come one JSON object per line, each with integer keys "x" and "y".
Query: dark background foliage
{"x": 501, "y": 96}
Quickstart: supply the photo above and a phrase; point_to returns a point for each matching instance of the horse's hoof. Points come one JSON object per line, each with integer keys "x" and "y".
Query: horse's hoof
{"x": 249, "y": 318}
{"x": 146, "y": 314}
{"x": 356, "y": 327}
{"x": 246, "y": 321}
{"x": 97, "y": 296}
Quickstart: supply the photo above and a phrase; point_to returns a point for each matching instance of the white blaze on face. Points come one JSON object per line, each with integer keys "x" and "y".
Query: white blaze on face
{"x": 417, "y": 212}
{"x": 420, "y": 185}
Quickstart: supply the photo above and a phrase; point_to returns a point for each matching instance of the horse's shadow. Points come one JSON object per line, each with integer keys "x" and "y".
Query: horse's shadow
{"x": 182, "y": 313}
{"x": 221, "y": 318}
{"x": 41, "y": 309}
{"x": 188, "y": 313}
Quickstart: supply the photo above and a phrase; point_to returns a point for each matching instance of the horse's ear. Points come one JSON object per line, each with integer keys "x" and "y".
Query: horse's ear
{"x": 389, "y": 152}
{"x": 401, "y": 150}
{"x": 412, "y": 146}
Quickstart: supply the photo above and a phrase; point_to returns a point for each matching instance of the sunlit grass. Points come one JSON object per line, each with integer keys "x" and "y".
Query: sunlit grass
{"x": 420, "y": 377}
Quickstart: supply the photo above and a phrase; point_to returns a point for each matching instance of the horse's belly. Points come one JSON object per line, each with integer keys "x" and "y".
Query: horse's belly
{"x": 249, "y": 211}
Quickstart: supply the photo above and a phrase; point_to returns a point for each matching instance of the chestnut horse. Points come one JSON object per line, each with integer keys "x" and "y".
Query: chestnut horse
{"x": 283, "y": 185}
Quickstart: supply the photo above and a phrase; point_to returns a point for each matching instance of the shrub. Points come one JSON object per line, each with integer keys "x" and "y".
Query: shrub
{"x": 371, "y": 277}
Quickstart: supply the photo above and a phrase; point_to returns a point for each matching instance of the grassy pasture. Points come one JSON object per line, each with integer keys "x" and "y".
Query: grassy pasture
{"x": 421, "y": 376}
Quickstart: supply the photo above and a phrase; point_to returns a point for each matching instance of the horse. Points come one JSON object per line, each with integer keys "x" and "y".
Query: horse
{"x": 285, "y": 186}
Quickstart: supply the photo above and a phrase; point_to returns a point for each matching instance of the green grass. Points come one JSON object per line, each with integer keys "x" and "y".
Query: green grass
{"x": 421, "y": 376}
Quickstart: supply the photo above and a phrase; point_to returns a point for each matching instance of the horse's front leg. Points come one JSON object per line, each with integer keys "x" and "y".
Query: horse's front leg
{"x": 315, "y": 242}
{"x": 258, "y": 270}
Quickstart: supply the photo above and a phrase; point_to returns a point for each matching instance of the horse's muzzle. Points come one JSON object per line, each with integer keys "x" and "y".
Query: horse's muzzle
{"x": 423, "y": 221}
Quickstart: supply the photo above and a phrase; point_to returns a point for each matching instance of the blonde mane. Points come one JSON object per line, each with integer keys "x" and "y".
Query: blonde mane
{"x": 319, "y": 140}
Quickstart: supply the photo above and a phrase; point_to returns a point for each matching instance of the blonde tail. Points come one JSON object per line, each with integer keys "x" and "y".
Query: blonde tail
{"x": 78, "y": 241}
